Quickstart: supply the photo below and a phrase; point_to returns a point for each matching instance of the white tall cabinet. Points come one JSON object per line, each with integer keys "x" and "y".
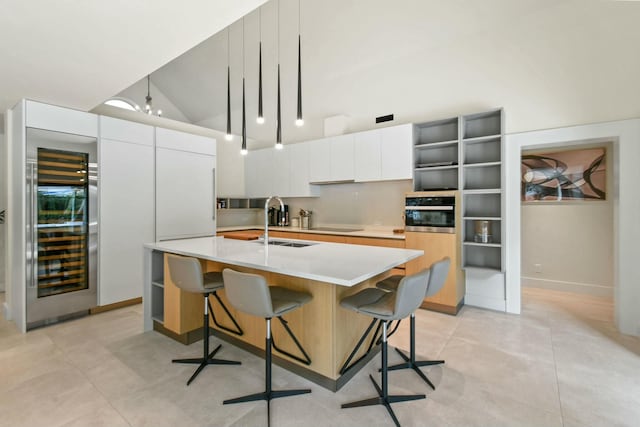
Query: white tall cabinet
{"x": 126, "y": 172}
{"x": 185, "y": 185}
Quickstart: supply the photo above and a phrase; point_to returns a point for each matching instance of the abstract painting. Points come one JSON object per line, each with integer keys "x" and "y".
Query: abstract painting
{"x": 564, "y": 175}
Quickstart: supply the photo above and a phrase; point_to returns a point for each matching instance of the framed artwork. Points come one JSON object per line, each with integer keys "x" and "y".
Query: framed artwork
{"x": 564, "y": 175}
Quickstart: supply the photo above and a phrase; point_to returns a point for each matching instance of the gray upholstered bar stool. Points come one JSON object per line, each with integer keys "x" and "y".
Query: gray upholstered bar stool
{"x": 186, "y": 273}
{"x": 250, "y": 294}
{"x": 437, "y": 277}
{"x": 388, "y": 306}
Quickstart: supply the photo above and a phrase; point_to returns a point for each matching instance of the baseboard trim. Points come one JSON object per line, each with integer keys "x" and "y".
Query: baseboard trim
{"x": 115, "y": 305}
{"x": 575, "y": 287}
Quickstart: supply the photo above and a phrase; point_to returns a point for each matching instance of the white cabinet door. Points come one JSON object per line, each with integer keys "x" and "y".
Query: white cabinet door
{"x": 396, "y": 147}
{"x": 185, "y": 196}
{"x": 281, "y": 172}
{"x": 299, "y": 171}
{"x": 126, "y": 131}
{"x": 126, "y": 201}
{"x": 258, "y": 169}
{"x": 59, "y": 119}
{"x": 342, "y": 158}
{"x": 367, "y": 155}
{"x": 319, "y": 160}
{"x": 173, "y": 139}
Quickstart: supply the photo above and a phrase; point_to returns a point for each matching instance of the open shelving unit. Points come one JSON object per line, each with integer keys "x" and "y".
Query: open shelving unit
{"x": 239, "y": 203}
{"x": 466, "y": 153}
{"x": 157, "y": 286}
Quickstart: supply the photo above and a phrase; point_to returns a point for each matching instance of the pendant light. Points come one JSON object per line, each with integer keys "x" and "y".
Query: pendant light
{"x": 243, "y": 151}
{"x": 148, "y": 105}
{"x": 228, "y": 136}
{"x": 299, "y": 120}
{"x": 260, "y": 119}
{"x": 278, "y": 115}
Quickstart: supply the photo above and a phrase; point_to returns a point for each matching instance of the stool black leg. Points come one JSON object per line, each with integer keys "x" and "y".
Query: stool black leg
{"x": 410, "y": 361}
{"x": 238, "y": 330}
{"x": 207, "y": 358}
{"x": 268, "y": 394}
{"x": 383, "y": 393}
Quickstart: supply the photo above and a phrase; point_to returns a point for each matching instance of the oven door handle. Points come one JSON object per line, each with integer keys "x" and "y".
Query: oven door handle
{"x": 429, "y": 208}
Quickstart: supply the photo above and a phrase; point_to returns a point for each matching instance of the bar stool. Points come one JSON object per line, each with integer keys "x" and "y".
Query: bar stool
{"x": 186, "y": 273}
{"x": 250, "y": 294}
{"x": 388, "y": 306}
{"x": 437, "y": 278}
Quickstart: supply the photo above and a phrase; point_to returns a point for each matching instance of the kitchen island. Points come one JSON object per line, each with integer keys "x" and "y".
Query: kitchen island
{"x": 328, "y": 271}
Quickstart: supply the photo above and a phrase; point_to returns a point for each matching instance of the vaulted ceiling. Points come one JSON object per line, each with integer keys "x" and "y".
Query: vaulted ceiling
{"x": 78, "y": 53}
{"x": 547, "y": 62}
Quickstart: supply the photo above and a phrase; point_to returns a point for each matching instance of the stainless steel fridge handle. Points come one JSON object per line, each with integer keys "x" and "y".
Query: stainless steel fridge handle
{"x": 34, "y": 228}
{"x": 214, "y": 194}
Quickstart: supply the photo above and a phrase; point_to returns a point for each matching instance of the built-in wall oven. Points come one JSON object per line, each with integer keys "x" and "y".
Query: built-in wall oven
{"x": 430, "y": 212}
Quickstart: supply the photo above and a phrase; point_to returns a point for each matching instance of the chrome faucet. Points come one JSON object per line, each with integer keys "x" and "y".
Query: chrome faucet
{"x": 266, "y": 217}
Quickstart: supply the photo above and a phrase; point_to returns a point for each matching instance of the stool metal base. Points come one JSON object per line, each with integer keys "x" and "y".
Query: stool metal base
{"x": 410, "y": 361}
{"x": 204, "y": 362}
{"x": 384, "y": 400}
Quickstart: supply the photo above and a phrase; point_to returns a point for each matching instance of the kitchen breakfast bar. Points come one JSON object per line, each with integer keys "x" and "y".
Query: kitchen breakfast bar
{"x": 328, "y": 271}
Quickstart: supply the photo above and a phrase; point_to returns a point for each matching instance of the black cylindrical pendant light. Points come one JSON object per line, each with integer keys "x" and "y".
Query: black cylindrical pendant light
{"x": 278, "y": 115}
{"x": 260, "y": 119}
{"x": 228, "y": 136}
{"x": 299, "y": 120}
{"x": 243, "y": 150}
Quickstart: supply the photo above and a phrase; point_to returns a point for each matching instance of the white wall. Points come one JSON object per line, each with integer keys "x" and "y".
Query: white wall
{"x": 573, "y": 245}
{"x": 626, "y": 205}
{"x": 570, "y": 241}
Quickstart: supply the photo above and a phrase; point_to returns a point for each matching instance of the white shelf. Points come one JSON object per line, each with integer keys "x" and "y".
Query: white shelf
{"x": 483, "y": 191}
{"x": 481, "y": 268}
{"x": 158, "y": 284}
{"x": 481, "y": 139}
{"x": 482, "y": 218}
{"x": 439, "y": 144}
{"x": 488, "y": 245}
{"x": 436, "y": 168}
{"x": 481, "y": 165}
{"x": 158, "y": 319}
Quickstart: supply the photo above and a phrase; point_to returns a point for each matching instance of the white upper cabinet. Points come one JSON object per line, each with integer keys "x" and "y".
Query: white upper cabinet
{"x": 51, "y": 117}
{"x": 280, "y": 172}
{"x": 258, "y": 168}
{"x": 176, "y": 140}
{"x": 367, "y": 156}
{"x": 319, "y": 160}
{"x": 384, "y": 154}
{"x": 342, "y": 158}
{"x": 126, "y": 131}
{"x": 396, "y": 146}
{"x": 299, "y": 171}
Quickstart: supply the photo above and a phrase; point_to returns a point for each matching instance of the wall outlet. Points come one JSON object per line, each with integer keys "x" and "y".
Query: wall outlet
{"x": 537, "y": 268}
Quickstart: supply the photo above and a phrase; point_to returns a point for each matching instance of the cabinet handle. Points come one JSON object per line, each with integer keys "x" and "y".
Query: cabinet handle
{"x": 214, "y": 194}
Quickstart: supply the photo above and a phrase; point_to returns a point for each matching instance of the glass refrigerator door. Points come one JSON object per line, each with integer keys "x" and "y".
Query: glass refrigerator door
{"x": 62, "y": 222}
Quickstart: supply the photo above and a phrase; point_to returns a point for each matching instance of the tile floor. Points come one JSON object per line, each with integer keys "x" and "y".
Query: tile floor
{"x": 560, "y": 363}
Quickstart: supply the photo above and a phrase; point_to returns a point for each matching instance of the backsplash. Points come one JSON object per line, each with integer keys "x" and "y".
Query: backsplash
{"x": 370, "y": 203}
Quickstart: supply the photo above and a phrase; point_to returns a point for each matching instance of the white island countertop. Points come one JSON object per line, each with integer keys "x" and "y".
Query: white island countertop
{"x": 338, "y": 263}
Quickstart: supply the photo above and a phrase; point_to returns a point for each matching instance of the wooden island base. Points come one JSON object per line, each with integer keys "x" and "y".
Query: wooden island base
{"x": 327, "y": 332}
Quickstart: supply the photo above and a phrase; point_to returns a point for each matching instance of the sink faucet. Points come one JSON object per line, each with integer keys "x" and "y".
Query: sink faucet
{"x": 266, "y": 217}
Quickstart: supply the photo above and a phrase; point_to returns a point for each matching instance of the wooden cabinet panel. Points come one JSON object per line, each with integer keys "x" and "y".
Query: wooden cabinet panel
{"x": 323, "y": 237}
{"x": 436, "y": 246}
{"x": 373, "y": 241}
